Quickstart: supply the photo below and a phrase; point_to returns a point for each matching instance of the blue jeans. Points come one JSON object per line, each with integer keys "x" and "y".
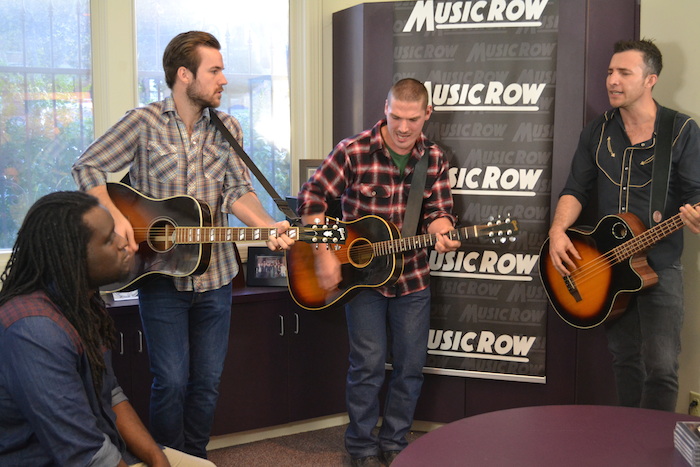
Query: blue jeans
{"x": 645, "y": 343}
{"x": 376, "y": 323}
{"x": 187, "y": 338}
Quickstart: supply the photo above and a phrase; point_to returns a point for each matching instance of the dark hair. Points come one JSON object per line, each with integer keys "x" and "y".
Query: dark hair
{"x": 50, "y": 255}
{"x": 182, "y": 51}
{"x": 650, "y": 53}
{"x": 410, "y": 90}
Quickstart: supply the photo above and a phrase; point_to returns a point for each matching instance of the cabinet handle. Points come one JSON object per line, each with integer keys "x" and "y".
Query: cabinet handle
{"x": 140, "y": 340}
{"x": 296, "y": 318}
{"x": 121, "y": 343}
{"x": 281, "y": 325}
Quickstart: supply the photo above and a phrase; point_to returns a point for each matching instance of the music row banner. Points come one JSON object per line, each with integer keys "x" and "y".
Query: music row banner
{"x": 489, "y": 67}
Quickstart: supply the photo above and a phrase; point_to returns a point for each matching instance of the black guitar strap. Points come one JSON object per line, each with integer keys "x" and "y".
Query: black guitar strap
{"x": 281, "y": 203}
{"x": 662, "y": 166}
{"x": 414, "y": 205}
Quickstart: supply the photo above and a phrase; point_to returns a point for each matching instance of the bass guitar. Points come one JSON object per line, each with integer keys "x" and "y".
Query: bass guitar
{"x": 613, "y": 266}
{"x": 370, "y": 257}
{"x": 175, "y": 235}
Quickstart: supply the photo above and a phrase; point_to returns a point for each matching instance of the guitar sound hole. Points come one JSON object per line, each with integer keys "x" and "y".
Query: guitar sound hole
{"x": 619, "y": 230}
{"x": 161, "y": 235}
{"x": 360, "y": 253}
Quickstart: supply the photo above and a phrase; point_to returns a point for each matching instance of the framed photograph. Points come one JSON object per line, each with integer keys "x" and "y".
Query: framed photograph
{"x": 307, "y": 167}
{"x": 266, "y": 267}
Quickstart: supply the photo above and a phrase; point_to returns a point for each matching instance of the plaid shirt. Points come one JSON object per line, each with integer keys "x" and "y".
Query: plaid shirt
{"x": 361, "y": 171}
{"x": 152, "y": 143}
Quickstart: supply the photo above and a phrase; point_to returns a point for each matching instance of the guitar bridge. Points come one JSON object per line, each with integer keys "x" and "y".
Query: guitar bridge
{"x": 571, "y": 287}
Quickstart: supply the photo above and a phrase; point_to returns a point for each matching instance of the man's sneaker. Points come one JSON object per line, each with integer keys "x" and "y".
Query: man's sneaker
{"x": 389, "y": 456}
{"x": 369, "y": 461}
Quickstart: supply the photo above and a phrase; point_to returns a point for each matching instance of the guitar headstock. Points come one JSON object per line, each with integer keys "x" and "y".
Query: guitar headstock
{"x": 332, "y": 234}
{"x": 499, "y": 230}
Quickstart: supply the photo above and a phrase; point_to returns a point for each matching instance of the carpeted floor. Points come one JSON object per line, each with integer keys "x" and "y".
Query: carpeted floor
{"x": 319, "y": 448}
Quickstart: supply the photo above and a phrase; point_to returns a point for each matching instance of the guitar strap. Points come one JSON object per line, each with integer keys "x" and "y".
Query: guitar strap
{"x": 662, "y": 166}
{"x": 414, "y": 205}
{"x": 281, "y": 203}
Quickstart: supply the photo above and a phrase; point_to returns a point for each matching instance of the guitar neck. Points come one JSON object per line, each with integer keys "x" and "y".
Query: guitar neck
{"x": 189, "y": 235}
{"x": 401, "y": 245}
{"x": 649, "y": 237}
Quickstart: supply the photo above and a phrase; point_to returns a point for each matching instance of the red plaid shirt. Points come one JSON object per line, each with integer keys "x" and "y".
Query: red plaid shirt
{"x": 361, "y": 172}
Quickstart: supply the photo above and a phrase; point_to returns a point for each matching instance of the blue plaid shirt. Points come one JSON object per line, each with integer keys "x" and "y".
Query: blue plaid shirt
{"x": 152, "y": 142}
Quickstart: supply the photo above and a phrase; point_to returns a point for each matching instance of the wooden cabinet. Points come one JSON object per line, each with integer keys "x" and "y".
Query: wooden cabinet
{"x": 130, "y": 357}
{"x": 284, "y": 363}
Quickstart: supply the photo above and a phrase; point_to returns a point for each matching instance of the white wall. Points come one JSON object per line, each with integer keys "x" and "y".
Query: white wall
{"x": 673, "y": 27}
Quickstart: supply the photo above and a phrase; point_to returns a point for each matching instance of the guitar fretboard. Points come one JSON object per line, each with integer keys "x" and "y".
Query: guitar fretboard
{"x": 648, "y": 238}
{"x": 401, "y": 245}
{"x": 182, "y": 235}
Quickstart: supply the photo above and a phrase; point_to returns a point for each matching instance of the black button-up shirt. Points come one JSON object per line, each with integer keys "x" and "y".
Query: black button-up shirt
{"x": 621, "y": 172}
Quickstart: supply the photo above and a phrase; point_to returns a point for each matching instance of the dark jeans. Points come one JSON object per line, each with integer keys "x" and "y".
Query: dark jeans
{"x": 187, "y": 338}
{"x": 646, "y": 341}
{"x": 370, "y": 317}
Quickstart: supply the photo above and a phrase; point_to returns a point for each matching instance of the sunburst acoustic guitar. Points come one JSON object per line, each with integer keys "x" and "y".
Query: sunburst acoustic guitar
{"x": 371, "y": 256}
{"x": 612, "y": 268}
{"x": 175, "y": 235}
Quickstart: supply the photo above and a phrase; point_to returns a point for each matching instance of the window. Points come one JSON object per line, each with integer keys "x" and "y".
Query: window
{"x": 254, "y": 39}
{"x": 45, "y": 102}
{"x": 46, "y": 94}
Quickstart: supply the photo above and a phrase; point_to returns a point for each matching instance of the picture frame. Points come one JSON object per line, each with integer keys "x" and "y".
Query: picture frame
{"x": 266, "y": 268}
{"x": 307, "y": 167}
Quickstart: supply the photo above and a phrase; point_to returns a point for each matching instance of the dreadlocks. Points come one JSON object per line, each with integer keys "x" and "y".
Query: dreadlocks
{"x": 50, "y": 255}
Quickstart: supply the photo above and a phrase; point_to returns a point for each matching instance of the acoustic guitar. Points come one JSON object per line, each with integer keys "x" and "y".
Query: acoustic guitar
{"x": 612, "y": 268}
{"x": 175, "y": 235}
{"x": 371, "y": 256}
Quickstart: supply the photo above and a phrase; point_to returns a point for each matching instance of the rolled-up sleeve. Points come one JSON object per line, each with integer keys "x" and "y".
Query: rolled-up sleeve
{"x": 111, "y": 152}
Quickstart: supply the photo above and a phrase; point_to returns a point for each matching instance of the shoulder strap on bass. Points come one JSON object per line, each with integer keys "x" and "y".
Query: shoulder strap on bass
{"x": 662, "y": 166}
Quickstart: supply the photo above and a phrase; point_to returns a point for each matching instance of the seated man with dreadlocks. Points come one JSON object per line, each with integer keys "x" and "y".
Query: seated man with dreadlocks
{"x": 60, "y": 403}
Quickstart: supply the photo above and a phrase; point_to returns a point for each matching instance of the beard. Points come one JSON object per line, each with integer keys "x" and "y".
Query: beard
{"x": 197, "y": 98}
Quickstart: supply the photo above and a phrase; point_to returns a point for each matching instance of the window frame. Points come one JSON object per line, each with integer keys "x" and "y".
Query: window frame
{"x": 115, "y": 81}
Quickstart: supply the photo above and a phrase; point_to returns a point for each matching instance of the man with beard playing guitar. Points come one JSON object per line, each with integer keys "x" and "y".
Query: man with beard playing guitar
{"x": 615, "y": 155}
{"x": 171, "y": 147}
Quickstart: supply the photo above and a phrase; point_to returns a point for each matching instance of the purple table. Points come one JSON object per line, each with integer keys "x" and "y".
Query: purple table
{"x": 555, "y": 435}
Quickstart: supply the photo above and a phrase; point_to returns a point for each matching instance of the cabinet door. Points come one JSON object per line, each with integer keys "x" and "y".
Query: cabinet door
{"x": 130, "y": 359}
{"x": 253, "y": 390}
{"x": 121, "y": 356}
{"x": 318, "y": 362}
{"x": 142, "y": 378}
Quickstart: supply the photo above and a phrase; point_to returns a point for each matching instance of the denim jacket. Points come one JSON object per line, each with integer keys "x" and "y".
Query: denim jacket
{"x": 49, "y": 412}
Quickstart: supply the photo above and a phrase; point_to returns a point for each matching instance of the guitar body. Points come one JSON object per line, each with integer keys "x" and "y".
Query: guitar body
{"x": 149, "y": 217}
{"x": 359, "y": 267}
{"x": 603, "y": 291}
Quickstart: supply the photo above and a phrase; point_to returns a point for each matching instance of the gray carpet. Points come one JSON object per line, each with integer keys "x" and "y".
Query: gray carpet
{"x": 319, "y": 448}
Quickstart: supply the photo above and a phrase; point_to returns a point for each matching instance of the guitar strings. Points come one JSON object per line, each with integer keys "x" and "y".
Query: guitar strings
{"x": 641, "y": 241}
{"x": 219, "y": 232}
{"x": 382, "y": 248}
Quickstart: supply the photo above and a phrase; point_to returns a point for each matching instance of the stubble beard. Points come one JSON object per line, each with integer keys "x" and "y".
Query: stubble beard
{"x": 198, "y": 100}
